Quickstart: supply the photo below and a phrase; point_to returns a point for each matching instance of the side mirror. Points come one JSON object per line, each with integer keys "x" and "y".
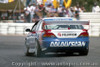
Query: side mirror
{"x": 27, "y": 30}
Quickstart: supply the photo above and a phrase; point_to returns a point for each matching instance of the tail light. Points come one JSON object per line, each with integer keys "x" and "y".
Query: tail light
{"x": 84, "y": 34}
{"x": 48, "y": 33}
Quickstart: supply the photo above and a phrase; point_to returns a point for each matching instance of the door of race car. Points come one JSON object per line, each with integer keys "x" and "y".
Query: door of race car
{"x": 31, "y": 38}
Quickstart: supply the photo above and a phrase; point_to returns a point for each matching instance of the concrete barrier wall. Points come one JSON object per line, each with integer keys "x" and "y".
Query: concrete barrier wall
{"x": 94, "y": 29}
{"x": 14, "y": 28}
{"x": 92, "y": 17}
{"x": 19, "y": 28}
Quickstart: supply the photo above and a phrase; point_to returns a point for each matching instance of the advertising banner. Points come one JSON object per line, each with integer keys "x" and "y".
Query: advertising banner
{"x": 6, "y": 1}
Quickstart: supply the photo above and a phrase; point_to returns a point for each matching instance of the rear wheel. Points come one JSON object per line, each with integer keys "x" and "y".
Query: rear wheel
{"x": 84, "y": 52}
{"x": 28, "y": 53}
{"x": 38, "y": 51}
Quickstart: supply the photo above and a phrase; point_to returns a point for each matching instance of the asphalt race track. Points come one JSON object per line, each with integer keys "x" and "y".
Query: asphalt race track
{"x": 12, "y": 51}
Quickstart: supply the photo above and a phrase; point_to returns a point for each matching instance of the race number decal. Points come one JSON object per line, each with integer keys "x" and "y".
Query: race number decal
{"x": 68, "y": 44}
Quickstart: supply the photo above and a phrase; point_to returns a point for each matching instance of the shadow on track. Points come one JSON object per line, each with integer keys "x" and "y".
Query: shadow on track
{"x": 49, "y": 55}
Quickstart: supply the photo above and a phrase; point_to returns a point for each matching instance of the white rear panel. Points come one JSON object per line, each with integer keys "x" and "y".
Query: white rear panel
{"x": 67, "y": 33}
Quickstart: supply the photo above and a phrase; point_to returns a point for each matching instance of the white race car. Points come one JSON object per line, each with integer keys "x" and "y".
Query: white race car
{"x": 57, "y": 34}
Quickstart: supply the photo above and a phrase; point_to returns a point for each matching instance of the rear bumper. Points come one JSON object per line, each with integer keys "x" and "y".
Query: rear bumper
{"x": 46, "y": 42}
{"x": 65, "y": 49}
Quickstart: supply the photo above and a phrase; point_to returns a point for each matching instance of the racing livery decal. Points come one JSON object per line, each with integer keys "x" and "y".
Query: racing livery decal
{"x": 67, "y": 44}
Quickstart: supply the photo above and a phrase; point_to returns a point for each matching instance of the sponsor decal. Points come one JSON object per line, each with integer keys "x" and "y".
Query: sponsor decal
{"x": 59, "y": 34}
{"x": 67, "y": 34}
{"x": 68, "y": 44}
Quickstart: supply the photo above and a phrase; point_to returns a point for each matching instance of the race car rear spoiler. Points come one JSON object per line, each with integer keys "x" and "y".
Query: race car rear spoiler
{"x": 76, "y": 22}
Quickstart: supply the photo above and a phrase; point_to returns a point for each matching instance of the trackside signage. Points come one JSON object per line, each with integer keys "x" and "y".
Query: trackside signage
{"x": 3, "y": 1}
{"x": 6, "y": 1}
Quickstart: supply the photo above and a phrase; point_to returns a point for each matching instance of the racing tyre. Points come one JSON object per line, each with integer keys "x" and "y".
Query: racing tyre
{"x": 27, "y": 53}
{"x": 38, "y": 50}
{"x": 85, "y": 52}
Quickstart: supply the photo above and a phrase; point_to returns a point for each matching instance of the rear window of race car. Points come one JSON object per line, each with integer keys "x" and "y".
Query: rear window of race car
{"x": 62, "y": 27}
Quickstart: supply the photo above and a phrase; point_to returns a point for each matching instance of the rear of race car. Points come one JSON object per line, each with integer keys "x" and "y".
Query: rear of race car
{"x": 65, "y": 36}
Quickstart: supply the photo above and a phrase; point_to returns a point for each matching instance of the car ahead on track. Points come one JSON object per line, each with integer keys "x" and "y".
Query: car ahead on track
{"x": 57, "y": 34}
